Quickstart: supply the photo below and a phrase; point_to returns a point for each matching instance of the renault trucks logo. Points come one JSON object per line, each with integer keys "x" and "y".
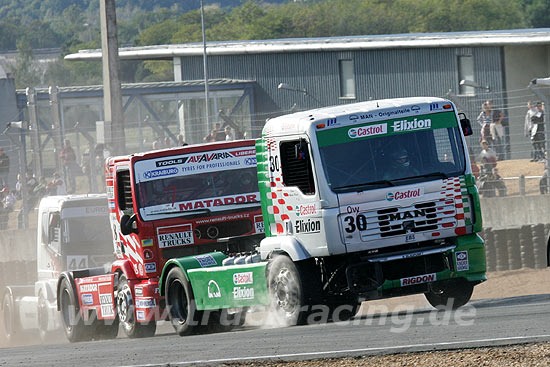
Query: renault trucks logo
{"x": 161, "y": 172}
{"x": 405, "y": 194}
{"x": 364, "y": 131}
{"x": 213, "y": 289}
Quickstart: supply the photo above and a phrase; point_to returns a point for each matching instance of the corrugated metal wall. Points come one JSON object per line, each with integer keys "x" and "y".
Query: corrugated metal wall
{"x": 378, "y": 74}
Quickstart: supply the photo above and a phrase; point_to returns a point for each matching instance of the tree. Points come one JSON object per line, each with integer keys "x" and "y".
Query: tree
{"x": 26, "y": 71}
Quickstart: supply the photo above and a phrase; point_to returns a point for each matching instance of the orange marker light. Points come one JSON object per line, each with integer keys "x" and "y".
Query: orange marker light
{"x": 447, "y": 106}
{"x": 320, "y": 126}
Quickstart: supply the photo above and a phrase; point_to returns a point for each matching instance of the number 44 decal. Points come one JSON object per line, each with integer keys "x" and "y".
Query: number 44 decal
{"x": 355, "y": 223}
{"x": 77, "y": 262}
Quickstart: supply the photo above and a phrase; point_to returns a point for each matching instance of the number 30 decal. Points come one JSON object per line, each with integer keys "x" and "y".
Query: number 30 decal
{"x": 355, "y": 223}
{"x": 274, "y": 163}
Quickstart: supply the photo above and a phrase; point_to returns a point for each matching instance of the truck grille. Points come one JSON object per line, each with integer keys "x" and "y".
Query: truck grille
{"x": 420, "y": 217}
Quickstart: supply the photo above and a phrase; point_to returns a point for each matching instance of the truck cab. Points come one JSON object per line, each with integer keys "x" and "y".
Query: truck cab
{"x": 164, "y": 204}
{"x": 376, "y": 198}
{"x": 72, "y": 233}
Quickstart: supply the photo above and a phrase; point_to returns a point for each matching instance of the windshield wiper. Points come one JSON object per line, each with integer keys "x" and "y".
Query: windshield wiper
{"x": 427, "y": 175}
{"x": 185, "y": 212}
{"x": 381, "y": 183}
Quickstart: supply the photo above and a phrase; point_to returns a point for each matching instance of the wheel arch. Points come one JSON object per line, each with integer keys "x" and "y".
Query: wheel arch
{"x": 287, "y": 245}
{"x": 66, "y": 275}
{"x": 167, "y": 267}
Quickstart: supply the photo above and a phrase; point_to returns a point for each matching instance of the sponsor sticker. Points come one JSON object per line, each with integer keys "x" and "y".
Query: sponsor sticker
{"x": 364, "y": 131}
{"x": 307, "y": 226}
{"x": 88, "y": 288}
{"x": 138, "y": 291}
{"x": 175, "y": 236}
{"x": 160, "y": 172}
{"x": 147, "y": 243}
{"x": 214, "y": 289}
{"x": 406, "y": 125}
{"x": 243, "y": 293}
{"x": 304, "y": 210}
{"x": 462, "y": 263}
{"x": 105, "y": 298}
{"x": 206, "y": 261}
{"x": 140, "y": 315}
{"x": 243, "y": 278}
{"x": 418, "y": 279}
{"x": 250, "y": 161}
{"x": 148, "y": 254}
{"x": 405, "y": 194}
{"x": 107, "y": 311}
{"x": 145, "y": 303}
{"x": 87, "y": 299}
{"x": 150, "y": 267}
{"x": 259, "y": 226}
{"x": 170, "y": 162}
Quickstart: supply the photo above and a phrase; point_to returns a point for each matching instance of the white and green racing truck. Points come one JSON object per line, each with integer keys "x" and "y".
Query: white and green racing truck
{"x": 360, "y": 201}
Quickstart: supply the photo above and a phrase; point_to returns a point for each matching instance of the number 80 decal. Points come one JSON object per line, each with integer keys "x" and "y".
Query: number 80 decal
{"x": 355, "y": 223}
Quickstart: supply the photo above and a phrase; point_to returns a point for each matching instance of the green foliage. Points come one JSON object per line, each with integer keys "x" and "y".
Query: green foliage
{"x": 26, "y": 71}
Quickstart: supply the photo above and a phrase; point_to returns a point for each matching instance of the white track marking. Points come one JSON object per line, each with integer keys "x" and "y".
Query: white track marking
{"x": 366, "y": 350}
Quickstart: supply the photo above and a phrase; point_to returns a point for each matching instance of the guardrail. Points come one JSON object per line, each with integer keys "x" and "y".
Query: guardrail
{"x": 522, "y": 182}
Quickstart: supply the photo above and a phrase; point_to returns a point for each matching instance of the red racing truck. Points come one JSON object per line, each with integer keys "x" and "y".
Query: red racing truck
{"x": 164, "y": 204}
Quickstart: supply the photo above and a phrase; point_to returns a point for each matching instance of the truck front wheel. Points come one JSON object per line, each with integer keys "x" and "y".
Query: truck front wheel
{"x": 450, "y": 296}
{"x": 73, "y": 325}
{"x": 126, "y": 313}
{"x": 289, "y": 297}
{"x": 180, "y": 302}
{"x": 9, "y": 322}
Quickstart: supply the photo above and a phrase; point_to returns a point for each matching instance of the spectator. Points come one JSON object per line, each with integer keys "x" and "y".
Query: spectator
{"x": 528, "y": 125}
{"x": 229, "y": 134}
{"x": 56, "y": 186}
{"x": 220, "y": 134}
{"x": 484, "y": 119}
{"x": 211, "y": 137}
{"x": 167, "y": 142}
{"x": 487, "y": 157}
{"x": 4, "y": 211}
{"x": 70, "y": 166}
{"x": 537, "y": 133}
{"x": 4, "y": 167}
{"x": 41, "y": 189}
{"x": 18, "y": 187}
{"x": 181, "y": 142}
{"x": 497, "y": 125}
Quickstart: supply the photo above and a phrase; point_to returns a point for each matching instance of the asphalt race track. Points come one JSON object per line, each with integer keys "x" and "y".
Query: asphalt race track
{"x": 484, "y": 323}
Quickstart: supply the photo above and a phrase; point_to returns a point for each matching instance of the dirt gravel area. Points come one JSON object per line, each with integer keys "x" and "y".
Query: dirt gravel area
{"x": 518, "y": 355}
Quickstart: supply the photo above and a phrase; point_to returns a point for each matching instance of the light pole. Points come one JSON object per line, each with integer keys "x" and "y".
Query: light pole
{"x": 470, "y": 83}
{"x": 205, "y": 67}
{"x": 301, "y": 90}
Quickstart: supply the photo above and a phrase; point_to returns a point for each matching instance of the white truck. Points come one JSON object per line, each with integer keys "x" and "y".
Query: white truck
{"x": 72, "y": 233}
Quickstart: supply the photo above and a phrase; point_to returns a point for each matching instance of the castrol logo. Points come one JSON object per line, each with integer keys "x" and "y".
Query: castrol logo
{"x": 364, "y": 131}
{"x": 405, "y": 194}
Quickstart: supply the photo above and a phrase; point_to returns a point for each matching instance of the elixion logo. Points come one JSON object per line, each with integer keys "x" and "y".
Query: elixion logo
{"x": 404, "y": 125}
{"x": 363, "y": 131}
{"x": 405, "y": 194}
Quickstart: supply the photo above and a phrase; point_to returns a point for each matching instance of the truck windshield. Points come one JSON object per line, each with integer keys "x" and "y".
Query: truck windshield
{"x": 87, "y": 235}
{"x": 391, "y": 160}
{"x": 193, "y": 186}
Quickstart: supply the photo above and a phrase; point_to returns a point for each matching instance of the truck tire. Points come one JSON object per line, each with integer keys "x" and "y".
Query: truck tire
{"x": 180, "y": 303}
{"x": 42, "y": 315}
{"x": 9, "y": 321}
{"x": 293, "y": 288}
{"x": 73, "y": 325}
{"x": 450, "y": 296}
{"x": 126, "y": 313}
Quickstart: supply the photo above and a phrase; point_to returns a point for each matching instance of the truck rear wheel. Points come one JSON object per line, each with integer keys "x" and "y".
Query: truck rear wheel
{"x": 289, "y": 297}
{"x": 9, "y": 322}
{"x": 180, "y": 302}
{"x": 126, "y": 313}
{"x": 73, "y": 325}
{"x": 450, "y": 296}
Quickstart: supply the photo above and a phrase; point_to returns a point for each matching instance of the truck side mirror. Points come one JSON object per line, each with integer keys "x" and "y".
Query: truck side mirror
{"x": 465, "y": 124}
{"x": 127, "y": 224}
